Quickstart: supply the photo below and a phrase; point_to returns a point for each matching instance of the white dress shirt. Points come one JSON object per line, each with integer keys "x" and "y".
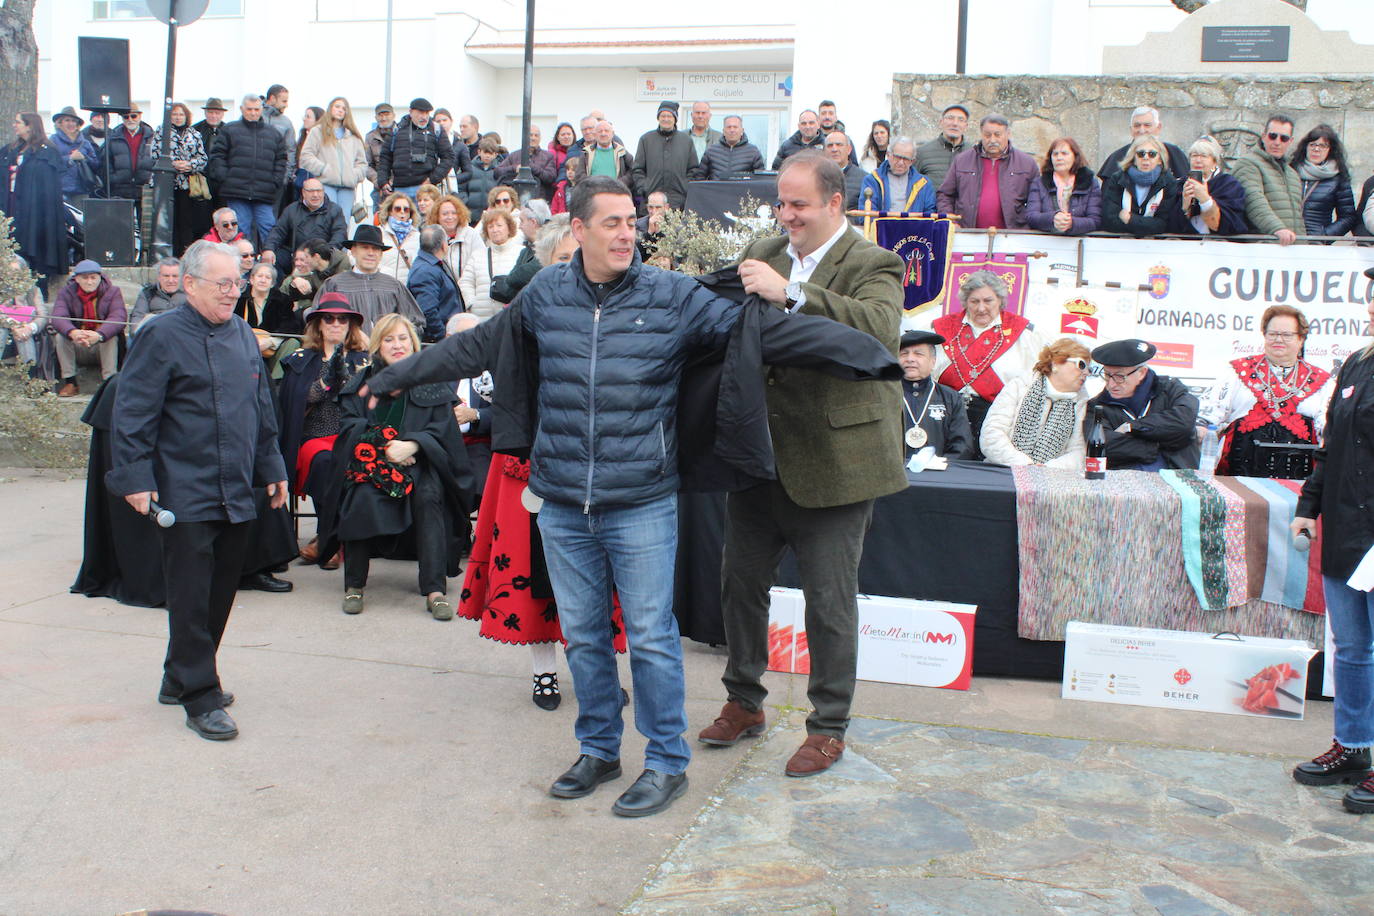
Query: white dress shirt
{"x": 804, "y": 267}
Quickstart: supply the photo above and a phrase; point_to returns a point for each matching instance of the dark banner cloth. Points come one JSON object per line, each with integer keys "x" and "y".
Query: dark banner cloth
{"x": 710, "y": 199}
{"x": 950, "y": 536}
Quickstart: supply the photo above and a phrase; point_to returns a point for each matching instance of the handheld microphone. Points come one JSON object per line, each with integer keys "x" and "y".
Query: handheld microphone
{"x": 1302, "y": 541}
{"x": 165, "y": 518}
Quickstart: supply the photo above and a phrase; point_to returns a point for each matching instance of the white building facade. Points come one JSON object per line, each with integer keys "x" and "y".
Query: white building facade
{"x": 765, "y": 62}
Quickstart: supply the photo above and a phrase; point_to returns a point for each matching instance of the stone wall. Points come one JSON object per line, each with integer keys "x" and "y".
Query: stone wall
{"x": 1096, "y": 110}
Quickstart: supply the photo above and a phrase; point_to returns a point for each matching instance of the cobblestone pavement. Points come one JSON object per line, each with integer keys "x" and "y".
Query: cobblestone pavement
{"x": 919, "y": 819}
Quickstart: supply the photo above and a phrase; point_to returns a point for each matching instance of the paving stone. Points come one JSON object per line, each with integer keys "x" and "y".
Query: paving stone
{"x": 1173, "y": 901}
{"x": 1251, "y": 824}
{"x": 977, "y": 811}
{"x": 1345, "y": 877}
{"x": 1320, "y": 843}
{"x": 1253, "y": 890}
{"x": 1232, "y": 775}
{"x": 1110, "y": 792}
{"x": 705, "y": 886}
{"x": 875, "y": 730}
{"x": 1353, "y": 827}
{"x": 1042, "y": 852}
{"x": 940, "y": 897}
{"x": 1152, "y": 841}
{"x": 1058, "y": 748}
{"x": 883, "y": 832}
{"x": 1211, "y": 805}
{"x": 855, "y": 767}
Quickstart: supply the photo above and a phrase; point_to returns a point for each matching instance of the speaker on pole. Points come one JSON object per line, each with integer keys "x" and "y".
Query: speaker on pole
{"x": 103, "y": 68}
{"x": 109, "y": 231}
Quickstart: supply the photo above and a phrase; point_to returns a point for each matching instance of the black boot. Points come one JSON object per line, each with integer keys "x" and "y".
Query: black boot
{"x": 1360, "y": 800}
{"x": 1340, "y": 764}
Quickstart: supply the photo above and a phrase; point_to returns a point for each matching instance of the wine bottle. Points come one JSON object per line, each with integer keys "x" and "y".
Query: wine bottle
{"x": 1095, "y": 467}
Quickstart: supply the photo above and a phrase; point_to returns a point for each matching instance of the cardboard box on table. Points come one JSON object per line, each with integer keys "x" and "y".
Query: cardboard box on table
{"x": 1237, "y": 675}
{"x": 901, "y": 640}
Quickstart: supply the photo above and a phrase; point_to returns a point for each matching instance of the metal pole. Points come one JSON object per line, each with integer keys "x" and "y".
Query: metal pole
{"x": 163, "y": 170}
{"x": 386, "y": 94}
{"x": 525, "y": 183}
{"x": 961, "y": 40}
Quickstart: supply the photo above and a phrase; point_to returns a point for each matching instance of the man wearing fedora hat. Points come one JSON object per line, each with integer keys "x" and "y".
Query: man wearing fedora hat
{"x": 78, "y": 181}
{"x": 208, "y": 128}
{"x": 371, "y": 292}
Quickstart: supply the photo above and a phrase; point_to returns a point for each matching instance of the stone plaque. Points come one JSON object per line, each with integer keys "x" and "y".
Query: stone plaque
{"x": 1264, "y": 43}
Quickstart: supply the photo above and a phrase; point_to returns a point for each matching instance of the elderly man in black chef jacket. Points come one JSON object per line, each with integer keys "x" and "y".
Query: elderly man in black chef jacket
{"x": 194, "y": 430}
{"x": 932, "y": 414}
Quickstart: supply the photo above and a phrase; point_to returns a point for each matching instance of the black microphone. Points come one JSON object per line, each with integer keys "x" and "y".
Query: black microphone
{"x": 165, "y": 518}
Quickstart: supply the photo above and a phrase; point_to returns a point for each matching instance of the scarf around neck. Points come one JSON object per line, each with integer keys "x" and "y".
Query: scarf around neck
{"x": 1136, "y": 403}
{"x": 1312, "y": 172}
{"x": 1142, "y": 181}
{"x": 1043, "y": 436}
{"x": 400, "y": 228}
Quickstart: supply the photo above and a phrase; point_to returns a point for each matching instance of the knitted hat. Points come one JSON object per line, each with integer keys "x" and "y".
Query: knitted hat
{"x": 670, "y": 107}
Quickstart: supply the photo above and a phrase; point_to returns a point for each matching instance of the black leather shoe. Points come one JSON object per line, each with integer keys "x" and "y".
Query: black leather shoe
{"x": 1340, "y": 764}
{"x": 1360, "y": 800}
{"x": 649, "y": 794}
{"x": 226, "y": 698}
{"x": 263, "y": 582}
{"x": 584, "y": 776}
{"x": 214, "y": 725}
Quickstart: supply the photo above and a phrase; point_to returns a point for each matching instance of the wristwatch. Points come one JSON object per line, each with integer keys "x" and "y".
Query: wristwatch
{"x": 794, "y": 294}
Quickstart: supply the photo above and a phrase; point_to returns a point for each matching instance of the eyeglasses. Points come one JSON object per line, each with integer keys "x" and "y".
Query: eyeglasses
{"x": 1279, "y": 335}
{"x": 899, "y": 158}
{"x": 1274, "y": 135}
{"x": 333, "y": 319}
{"x": 1319, "y": 144}
{"x": 1147, "y": 153}
{"x": 1079, "y": 362}
{"x": 132, "y": 117}
{"x": 230, "y": 225}
{"x": 224, "y": 286}
{"x": 405, "y": 210}
{"x": 1119, "y": 377}
{"x": 504, "y": 200}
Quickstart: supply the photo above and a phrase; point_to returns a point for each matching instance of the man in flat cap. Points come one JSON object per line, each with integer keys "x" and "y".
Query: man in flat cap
{"x": 416, "y": 154}
{"x": 1151, "y": 419}
{"x": 933, "y": 414}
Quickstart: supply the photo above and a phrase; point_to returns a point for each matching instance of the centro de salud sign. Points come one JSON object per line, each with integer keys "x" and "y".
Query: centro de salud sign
{"x": 1252, "y": 43}
{"x": 713, "y": 86}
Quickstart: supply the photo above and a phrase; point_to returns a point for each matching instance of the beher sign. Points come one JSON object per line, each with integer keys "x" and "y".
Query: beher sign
{"x": 1267, "y": 43}
{"x": 712, "y": 86}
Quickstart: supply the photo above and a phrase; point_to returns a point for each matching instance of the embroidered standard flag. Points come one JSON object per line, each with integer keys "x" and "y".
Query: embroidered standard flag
{"x": 922, "y": 242}
{"x": 1013, "y": 268}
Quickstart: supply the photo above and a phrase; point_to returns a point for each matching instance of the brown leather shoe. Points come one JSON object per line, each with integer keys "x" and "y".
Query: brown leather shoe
{"x": 310, "y": 553}
{"x": 68, "y": 390}
{"x": 334, "y": 561}
{"x": 817, "y": 754}
{"x": 735, "y": 722}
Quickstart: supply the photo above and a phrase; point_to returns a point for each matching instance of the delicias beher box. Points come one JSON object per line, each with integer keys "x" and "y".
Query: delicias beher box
{"x": 1226, "y": 673}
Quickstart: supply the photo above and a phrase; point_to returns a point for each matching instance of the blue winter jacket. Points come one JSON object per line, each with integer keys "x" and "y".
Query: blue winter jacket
{"x": 920, "y": 197}
{"x": 608, "y": 379}
{"x": 435, "y": 292}
{"x": 71, "y": 177}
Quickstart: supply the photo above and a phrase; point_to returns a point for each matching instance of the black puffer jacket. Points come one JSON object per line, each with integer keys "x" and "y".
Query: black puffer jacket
{"x": 413, "y": 155}
{"x": 126, "y": 176}
{"x": 795, "y": 144}
{"x": 1328, "y": 206}
{"x": 248, "y": 161}
{"x": 721, "y": 160}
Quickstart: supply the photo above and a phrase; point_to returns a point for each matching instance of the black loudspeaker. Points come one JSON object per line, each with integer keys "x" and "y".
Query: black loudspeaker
{"x": 103, "y": 65}
{"x": 109, "y": 230}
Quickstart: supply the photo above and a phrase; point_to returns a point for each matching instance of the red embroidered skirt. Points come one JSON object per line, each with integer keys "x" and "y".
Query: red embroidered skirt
{"x": 496, "y": 587}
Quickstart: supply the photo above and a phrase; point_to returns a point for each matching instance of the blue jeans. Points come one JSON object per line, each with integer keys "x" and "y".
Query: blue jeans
{"x": 633, "y": 549}
{"x": 256, "y": 219}
{"x": 341, "y": 196}
{"x": 1352, "y": 627}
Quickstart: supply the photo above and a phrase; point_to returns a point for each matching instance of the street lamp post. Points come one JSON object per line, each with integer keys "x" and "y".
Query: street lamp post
{"x": 525, "y": 183}
{"x": 175, "y": 13}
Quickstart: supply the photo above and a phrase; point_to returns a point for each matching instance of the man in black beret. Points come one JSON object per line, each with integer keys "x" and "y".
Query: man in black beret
{"x": 1151, "y": 419}
{"x": 933, "y": 414}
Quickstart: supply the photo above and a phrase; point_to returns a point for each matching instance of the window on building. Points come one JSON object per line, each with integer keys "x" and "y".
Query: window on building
{"x": 138, "y": 9}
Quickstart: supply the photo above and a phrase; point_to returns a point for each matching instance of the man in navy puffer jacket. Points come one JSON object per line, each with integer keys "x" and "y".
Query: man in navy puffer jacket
{"x": 613, "y": 336}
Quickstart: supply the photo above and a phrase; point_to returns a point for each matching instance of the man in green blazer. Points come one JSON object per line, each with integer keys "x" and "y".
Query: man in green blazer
{"x": 837, "y": 446}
